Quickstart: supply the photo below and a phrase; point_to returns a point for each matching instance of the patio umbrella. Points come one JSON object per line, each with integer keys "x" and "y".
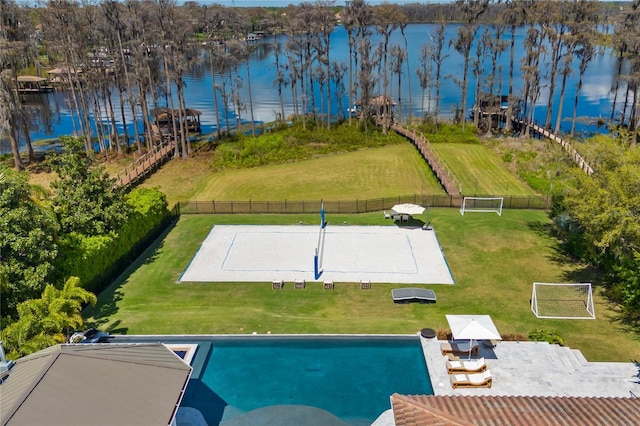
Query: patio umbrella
{"x": 407, "y": 208}
{"x": 472, "y": 327}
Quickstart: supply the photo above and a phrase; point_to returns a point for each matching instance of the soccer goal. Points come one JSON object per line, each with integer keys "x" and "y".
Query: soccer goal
{"x": 562, "y": 301}
{"x": 482, "y": 205}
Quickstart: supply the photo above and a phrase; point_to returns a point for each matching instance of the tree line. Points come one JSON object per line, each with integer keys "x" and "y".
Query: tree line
{"x": 141, "y": 49}
{"x": 57, "y": 250}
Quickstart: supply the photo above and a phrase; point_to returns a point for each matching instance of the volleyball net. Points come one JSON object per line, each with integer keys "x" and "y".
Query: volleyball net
{"x": 317, "y": 259}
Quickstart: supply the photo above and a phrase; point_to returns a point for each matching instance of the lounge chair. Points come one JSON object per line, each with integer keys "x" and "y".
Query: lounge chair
{"x": 475, "y": 380}
{"x": 466, "y": 366}
{"x": 459, "y": 348}
{"x": 387, "y": 215}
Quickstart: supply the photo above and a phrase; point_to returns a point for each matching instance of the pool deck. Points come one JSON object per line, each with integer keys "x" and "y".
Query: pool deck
{"x": 538, "y": 369}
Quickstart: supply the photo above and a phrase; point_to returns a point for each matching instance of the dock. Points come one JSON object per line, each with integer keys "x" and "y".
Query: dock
{"x": 145, "y": 165}
{"x": 28, "y": 84}
{"x": 575, "y": 155}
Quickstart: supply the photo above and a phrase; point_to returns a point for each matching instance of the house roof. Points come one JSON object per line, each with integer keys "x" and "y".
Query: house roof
{"x": 94, "y": 384}
{"x": 510, "y": 410}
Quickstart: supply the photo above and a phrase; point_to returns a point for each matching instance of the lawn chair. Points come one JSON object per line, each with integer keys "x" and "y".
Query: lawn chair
{"x": 328, "y": 285}
{"x": 476, "y": 380}
{"x": 365, "y": 285}
{"x": 299, "y": 284}
{"x": 466, "y": 366}
{"x": 277, "y": 285}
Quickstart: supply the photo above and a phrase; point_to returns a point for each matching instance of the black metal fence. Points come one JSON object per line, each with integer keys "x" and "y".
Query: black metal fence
{"x": 346, "y": 206}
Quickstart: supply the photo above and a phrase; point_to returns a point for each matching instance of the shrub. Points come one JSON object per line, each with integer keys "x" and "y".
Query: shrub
{"x": 94, "y": 259}
{"x": 550, "y": 336}
{"x": 296, "y": 143}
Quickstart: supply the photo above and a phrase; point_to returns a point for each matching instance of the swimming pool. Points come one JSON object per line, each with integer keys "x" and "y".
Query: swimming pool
{"x": 350, "y": 377}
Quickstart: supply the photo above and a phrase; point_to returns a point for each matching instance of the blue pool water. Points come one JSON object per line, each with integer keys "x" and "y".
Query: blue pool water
{"x": 351, "y": 378}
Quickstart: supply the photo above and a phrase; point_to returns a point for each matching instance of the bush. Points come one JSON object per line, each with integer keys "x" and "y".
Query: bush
{"x": 550, "y": 336}
{"x": 95, "y": 259}
{"x": 296, "y": 143}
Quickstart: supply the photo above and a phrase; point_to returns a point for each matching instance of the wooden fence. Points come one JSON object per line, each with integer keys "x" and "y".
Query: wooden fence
{"x": 444, "y": 174}
{"x": 575, "y": 155}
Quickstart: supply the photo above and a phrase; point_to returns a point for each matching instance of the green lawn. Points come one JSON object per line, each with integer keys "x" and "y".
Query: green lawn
{"x": 368, "y": 173}
{"x": 494, "y": 261}
{"x": 480, "y": 171}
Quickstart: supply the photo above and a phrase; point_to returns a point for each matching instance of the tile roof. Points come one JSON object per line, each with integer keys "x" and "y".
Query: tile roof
{"x": 94, "y": 384}
{"x": 513, "y": 410}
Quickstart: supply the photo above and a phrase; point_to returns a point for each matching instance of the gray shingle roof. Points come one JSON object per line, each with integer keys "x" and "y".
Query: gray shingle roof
{"x": 94, "y": 384}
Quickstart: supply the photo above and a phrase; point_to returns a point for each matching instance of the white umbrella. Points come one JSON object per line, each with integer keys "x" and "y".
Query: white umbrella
{"x": 473, "y": 327}
{"x": 407, "y": 208}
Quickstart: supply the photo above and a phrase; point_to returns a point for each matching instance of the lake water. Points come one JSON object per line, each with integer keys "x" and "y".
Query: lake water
{"x": 50, "y": 115}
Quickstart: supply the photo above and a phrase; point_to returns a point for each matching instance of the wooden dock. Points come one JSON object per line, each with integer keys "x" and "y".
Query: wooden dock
{"x": 146, "y": 164}
{"x": 577, "y": 158}
{"x": 445, "y": 176}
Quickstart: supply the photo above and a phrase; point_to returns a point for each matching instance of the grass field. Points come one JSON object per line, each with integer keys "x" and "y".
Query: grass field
{"x": 368, "y": 173}
{"x": 494, "y": 261}
{"x": 479, "y": 171}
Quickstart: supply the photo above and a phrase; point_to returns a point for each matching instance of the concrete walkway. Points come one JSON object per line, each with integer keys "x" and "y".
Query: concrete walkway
{"x": 538, "y": 369}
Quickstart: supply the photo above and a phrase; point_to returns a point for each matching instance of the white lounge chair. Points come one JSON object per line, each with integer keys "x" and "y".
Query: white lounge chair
{"x": 466, "y": 366}
{"x": 476, "y": 380}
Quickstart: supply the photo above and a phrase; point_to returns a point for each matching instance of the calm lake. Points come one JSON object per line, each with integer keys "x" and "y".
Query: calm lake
{"x": 50, "y": 114}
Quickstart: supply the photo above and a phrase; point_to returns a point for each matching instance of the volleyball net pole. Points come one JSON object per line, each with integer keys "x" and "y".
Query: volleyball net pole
{"x": 317, "y": 259}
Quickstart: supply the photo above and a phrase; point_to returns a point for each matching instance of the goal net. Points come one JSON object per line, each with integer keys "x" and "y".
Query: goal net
{"x": 562, "y": 301}
{"x": 482, "y": 205}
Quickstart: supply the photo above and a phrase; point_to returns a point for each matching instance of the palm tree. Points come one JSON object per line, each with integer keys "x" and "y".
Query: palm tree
{"x": 48, "y": 320}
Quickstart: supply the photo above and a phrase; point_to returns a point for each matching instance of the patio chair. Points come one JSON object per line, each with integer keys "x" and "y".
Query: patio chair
{"x": 387, "y": 215}
{"x": 328, "y": 285}
{"x": 365, "y": 285}
{"x": 405, "y": 218}
{"x": 475, "y": 380}
{"x": 459, "y": 348}
{"x": 299, "y": 284}
{"x": 466, "y": 366}
{"x": 277, "y": 285}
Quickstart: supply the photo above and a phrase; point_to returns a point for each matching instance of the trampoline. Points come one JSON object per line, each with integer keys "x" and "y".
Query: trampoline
{"x": 406, "y": 295}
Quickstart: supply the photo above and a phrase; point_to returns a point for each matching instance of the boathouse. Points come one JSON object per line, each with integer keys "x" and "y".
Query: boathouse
{"x": 33, "y": 84}
{"x": 162, "y": 118}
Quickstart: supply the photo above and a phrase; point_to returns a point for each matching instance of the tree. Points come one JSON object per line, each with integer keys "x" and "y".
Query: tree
{"x": 16, "y": 51}
{"x": 605, "y": 207}
{"x": 388, "y": 18}
{"x": 28, "y": 247}
{"x": 471, "y": 10}
{"x": 49, "y": 320}
{"x": 86, "y": 201}
{"x": 425, "y": 76}
{"x": 438, "y": 58}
